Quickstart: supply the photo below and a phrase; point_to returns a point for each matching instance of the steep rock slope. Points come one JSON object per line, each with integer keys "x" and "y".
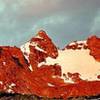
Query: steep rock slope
{"x": 39, "y": 68}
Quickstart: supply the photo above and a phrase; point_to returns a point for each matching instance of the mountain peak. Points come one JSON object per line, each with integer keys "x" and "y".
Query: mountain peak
{"x": 39, "y": 48}
{"x": 45, "y": 43}
{"x": 50, "y": 72}
{"x": 42, "y": 34}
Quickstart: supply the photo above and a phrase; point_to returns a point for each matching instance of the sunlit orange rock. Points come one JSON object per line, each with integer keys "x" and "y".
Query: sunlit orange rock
{"x": 94, "y": 46}
{"x": 22, "y": 70}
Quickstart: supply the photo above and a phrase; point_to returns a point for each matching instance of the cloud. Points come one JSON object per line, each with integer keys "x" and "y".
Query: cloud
{"x": 65, "y": 27}
{"x": 62, "y": 19}
{"x": 96, "y": 23}
{"x": 53, "y": 20}
{"x": 2, "y": 7}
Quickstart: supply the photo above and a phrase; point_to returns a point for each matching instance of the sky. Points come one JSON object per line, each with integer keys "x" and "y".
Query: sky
{"x": 63, "y": 20}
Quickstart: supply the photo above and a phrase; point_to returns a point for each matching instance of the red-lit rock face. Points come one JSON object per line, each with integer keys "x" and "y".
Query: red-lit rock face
{"x": 44, "y": 79}
{"x": 94, "y": 46}
{"x": 38, "y": 49}
{"x": 77, "y": 45}
{"x": 12, "y": 62}
{"x": 92, "y": 43}
{"x": 45, "y": 43}
{"x": 15, "y": 76}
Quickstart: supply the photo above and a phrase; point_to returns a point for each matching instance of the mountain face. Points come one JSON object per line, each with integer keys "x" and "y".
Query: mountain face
{"x": 39, "y": 68}
{"x": 38, "y": 49}
{"x": 94, "y": 46}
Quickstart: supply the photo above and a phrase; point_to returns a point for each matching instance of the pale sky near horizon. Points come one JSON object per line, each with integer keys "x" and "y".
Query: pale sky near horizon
{"x": 63, "y": 20}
